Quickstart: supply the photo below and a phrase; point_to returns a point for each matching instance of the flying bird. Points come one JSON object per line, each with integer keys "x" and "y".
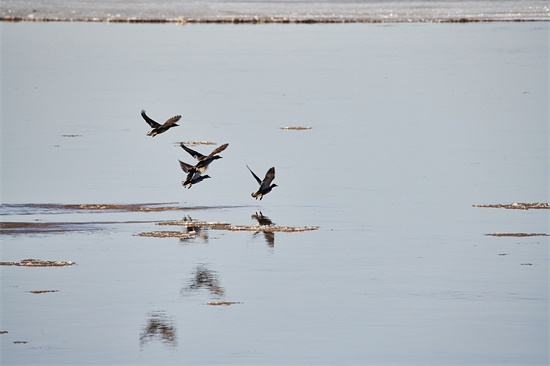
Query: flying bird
{"x": 204, "y": 160}
{"x": 157, "y": 127}
{"x": 265, "y": 185}
{"x": 193, "y": 175}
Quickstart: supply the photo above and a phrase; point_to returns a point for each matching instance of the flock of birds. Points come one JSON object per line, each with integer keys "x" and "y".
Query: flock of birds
{"x": 195, "y": 173}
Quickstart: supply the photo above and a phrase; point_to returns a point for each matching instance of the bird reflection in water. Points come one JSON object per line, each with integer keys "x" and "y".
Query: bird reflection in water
{"x": 204, "y": 278}
{"x": 158, "y": 327}
{"x": 197, "y": 231}
{"x": 269, "y": 236}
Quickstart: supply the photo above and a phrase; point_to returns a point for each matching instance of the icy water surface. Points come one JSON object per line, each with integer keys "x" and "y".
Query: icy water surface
{"x": 267, "y": 11}
{"x": 410, "y": 126}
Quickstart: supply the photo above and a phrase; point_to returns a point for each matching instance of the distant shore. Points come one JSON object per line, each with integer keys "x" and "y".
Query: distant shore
{"x": 257, "y": 11}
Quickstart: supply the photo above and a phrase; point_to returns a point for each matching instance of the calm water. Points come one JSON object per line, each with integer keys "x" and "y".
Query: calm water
{"x": 412, "y": 124}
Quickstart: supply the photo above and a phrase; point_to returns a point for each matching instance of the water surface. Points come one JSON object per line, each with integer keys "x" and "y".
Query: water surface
{"x": 411, "y": 125}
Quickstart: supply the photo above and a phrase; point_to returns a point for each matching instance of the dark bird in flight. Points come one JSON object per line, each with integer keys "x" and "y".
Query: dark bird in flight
{"x": 193, "y": 175}
{"x": 204, "y": 160}
{"x": 157, "y": 127}
{"x": 265, "y": 185}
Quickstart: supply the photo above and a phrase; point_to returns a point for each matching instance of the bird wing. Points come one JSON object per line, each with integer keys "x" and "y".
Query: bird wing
{"x": 255, "y": 176}
{"x": 218, "y": 150}
{"x": 171, "y": 121}
{"x": 149, "y": 121}
{"x": 186, "y": 167}
{"x": 269, "y": 176}
{"x": 192, "y": 176}
{"x": 203, "y": 164}
{"x": 192, "y": 152}
{"x": 204, "y": 161}
{"x": 198, "y": 177}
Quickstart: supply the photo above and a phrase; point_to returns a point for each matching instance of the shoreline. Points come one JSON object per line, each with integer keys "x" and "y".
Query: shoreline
{"x": 266, "y": 11}
{"x": 263, "y": 20}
